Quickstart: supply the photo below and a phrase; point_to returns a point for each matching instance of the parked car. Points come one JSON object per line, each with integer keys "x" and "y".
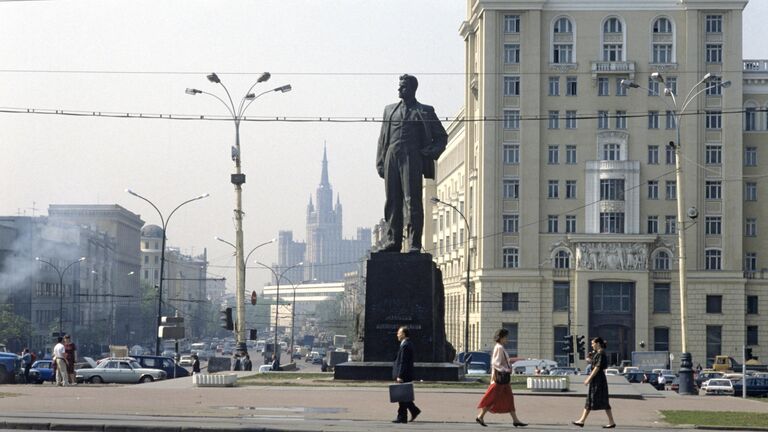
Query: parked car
{"x": 10, "y": 368}
{"x": 706, "y": 376}
{"x": 718, "y": 386}
{"x": 166, "y": 364}
{"x": 562, "y": 371}
{"x": 42, "y": 371}
{"x": 756, "y": 386}
{"x": 630, "y": 369}
{"x": 675, "y": 386}
{"x": 476, "y": 368}
{"x": 119, "y": 370}
{"x": 612, "y": 371}
{"x": 265, "y": 368}
{"x": 477, "y": 357}
{"x": 186, "y": 360}
{"x": 644, "y": 378}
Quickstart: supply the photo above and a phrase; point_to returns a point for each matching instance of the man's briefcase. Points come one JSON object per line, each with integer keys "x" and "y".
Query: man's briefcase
{"x": 401, "y": 392}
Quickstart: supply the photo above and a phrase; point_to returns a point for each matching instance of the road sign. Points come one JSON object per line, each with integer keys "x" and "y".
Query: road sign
{"x": 172, "y": 320}
{"x": 166, "y": 332}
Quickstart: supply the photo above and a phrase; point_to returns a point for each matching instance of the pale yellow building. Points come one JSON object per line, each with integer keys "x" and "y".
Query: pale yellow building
{"x": 568, "y": 182}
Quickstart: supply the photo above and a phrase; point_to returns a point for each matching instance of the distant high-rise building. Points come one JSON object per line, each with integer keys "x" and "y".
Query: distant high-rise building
{"x": 326, "y": 255}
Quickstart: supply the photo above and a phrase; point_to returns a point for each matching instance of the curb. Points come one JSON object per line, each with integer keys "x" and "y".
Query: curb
{"x": 100, "y": 427}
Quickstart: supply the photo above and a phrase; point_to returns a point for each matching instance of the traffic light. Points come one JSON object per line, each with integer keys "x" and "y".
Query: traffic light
{"x": 225, "y": 316}
{"x": 580, "y": 347}
{"x": 253, "y": 335}
{"x": 568, "y": 344}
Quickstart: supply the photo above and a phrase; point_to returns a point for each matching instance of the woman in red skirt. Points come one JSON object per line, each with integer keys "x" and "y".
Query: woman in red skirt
{"x": 498, "y": 398}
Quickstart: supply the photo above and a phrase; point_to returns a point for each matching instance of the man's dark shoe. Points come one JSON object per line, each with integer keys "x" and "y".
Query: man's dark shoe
{"x": 415, "y": 413}
{"x": 397, "y": 420}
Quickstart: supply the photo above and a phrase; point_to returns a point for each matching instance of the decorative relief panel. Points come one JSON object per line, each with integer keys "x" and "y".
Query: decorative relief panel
{"x": 611, "y": 256}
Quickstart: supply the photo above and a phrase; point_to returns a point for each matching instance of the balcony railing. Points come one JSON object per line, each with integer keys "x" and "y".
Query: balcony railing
{"x": 661, "y": 275}
{"x": 613, "y": 67}
{"x": 755, "y": 65}
{"x": 561, "y": 273}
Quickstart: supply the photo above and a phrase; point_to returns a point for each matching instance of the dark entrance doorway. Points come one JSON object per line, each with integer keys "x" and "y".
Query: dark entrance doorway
{"x": 612, "y": 316}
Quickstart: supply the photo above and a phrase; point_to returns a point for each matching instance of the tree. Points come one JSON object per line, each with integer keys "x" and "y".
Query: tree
{"x": 14, "y": 329}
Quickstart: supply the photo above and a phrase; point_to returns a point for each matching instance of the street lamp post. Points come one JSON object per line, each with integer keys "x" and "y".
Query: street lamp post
{"x": 61, "y": 286}
{"x": 686, "y": 360}
{"x": 238, "y": 179}
{"x": 293, "y": 317}
{"x": 164, "y": 223}
{"x": 436, "y": 200}
{"x": 277, "y": 295}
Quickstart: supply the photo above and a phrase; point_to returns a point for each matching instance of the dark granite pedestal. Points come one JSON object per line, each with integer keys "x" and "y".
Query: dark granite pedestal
{"x": 403, "y": 290}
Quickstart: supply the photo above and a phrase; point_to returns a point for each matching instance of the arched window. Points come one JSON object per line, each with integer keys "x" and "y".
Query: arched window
{"x": 562, "y": 259}
{"x": 562, "y": 40}
{"x": 563, "y": 25}
{"x": 613, "y": 40}
{"x": 661, "y": 261}
{"x": 662, "y": 41}
{"x": 662, "y": 25}
{"x": 612, "y": 25}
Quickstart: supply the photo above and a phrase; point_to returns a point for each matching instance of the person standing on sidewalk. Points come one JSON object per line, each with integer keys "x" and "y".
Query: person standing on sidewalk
{"x": 26, "y": 360}
{"x": 195, "y": 364}
{"x": 498, "y": 398}
{"x": 402, "y": 372}
{"x": 597, "y": 396}
{"x": 246, "y": 363}
{"x": 60, "y": 363}
{"x": 70, "y": 354}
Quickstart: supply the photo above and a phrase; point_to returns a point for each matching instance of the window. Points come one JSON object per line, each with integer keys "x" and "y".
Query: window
{"x": 562, "y": 259}
{"x": 511, "y": 119}
{"x": 602, "y": 119}
{"x": 511, "y": 188}
{"x": 563, "y": 25}
{"x": 602, "y": 86}
{"x": 510, "y": 223}
{"x": 661, "y": 300}
{"x": 750, "y": 262}
{"x": 752, "y": 335}
{"x": 653, "y": 119}
{"x": 714, "y": 120}
{"x": 552, "y": 222}
{"x": 611, "y": 152}
{"x": 714, "y": 304}
{"x": 570, "y": 119}
{"x": 511, "y": 154}
{"x": 669, "y": 153}
{"x": 670, "y": 223}
{"x": 714, "y": 24}
{"x": 653, "y": 155}
{"x": 570, "y": 223}
{"x": 714, "y": 86}
{"x": 157, "y": 259}
{"x": 672, "y": 84}
{"x": 562, "y": 53}
{"x": 554, "y": 86}
{"x": 571, "y": 86}
{"x": 670, "y": 120}
{"x": 750, "y": 227}
{"x": 714, "y": 341}
{"x": 671, "y": 189}
{"x": 662, "y": 53}
{"x": 661, "y": 339}
{"x": 714, "y": 53}
{"x": 510, "y": 257}
{"x": 750, "y": 119}
{"x": 553, "y": 155}
{"x": 511, "y": 346}
{"x": 146, "y": 274}
{"x": 653, "y": 224}
{"x": 713, "y": 189}
{"x": 752, "y": 302}
{"x": 653, "y": 189}
{"x": 509, "y": 302}
{"x": 661, "y": 261}
{"x": 613, "y": 52}
{"x": 713, "y": 225}
{"x": 570, "y": 189}
{"x": 750, "y": 191}
{"x": 621, "y": 119}
{"x": 713, "y": 154}
{"x": 511, "y": 86}
{"x": 612, "y": 222}
{"x": 611, "y": 297}
{"x": 612, "y": 189}
{"x": 511, "y": 54}
{"x": 653, "y": 87}
{"x": 554, "y": 119}
{"x": 146, "y": 245}
{"x": 553, "y": 189}
{"x": 570, "y": 154}
{"x": 561, "y": 293}
{"x": 146, "y": 259}
{"x": 620, "y": 89}
{"x": 750, "y": 156}
{"x": 511, "y": 23}
{"x": 612, "y": 25}
{"x": 713, "y": 259}
{"x": 662, "y": 25}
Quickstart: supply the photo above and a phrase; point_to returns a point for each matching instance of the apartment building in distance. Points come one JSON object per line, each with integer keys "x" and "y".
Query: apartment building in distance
{"x": 568, "y": 181}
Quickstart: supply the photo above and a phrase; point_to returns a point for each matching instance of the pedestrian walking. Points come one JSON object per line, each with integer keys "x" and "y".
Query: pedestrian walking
{"x": 597, "y": 396}
{"x": 498, "y": 399}
{"x": 70, "y": 355}
{"x": 26, "y": 360}
{"x": 246, "y": 363}
{"x": 275, "y": 363}
{"x": 236, "y": 365}
{"x": 195, "y": 364}
{"x": 402, "y": 372}
{"x": 60, "y": 363}
{"x": 662, "y": 381}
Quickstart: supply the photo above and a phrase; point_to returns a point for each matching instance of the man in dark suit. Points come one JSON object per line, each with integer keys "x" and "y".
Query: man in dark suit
{"x": 402, "y": 372}
{"x": 411, "y": 140}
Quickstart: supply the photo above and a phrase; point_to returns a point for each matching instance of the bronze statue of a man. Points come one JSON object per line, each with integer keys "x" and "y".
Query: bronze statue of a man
{"x": 411, "y": 139}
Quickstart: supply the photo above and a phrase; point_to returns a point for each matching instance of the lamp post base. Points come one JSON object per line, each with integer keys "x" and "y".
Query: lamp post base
{"x": 685, "y": 375}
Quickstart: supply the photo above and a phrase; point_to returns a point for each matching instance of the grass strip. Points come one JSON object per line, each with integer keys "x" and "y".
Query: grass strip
{"x": 716, "y": 418}
{"x": 326, "y": 380}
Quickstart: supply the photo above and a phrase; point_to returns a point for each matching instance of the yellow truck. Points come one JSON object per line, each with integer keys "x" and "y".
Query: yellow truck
{"x": 724, "y": 363}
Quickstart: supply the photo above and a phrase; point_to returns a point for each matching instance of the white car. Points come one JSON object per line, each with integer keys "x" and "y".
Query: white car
{"x": 186, "y": 360}
{"x": 630, "y": 369}
{"x": 718, "y": 386}
{"x": 476, "y": 368}
{"x": 612, "y": 371}
{"x": 265, "y": 368}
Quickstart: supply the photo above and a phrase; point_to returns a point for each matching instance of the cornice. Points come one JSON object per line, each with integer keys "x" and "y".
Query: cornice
{"x": 612, "y": 5}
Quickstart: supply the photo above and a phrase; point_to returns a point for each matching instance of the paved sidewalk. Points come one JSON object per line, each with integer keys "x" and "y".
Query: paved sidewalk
{"x": 177, "y": 405}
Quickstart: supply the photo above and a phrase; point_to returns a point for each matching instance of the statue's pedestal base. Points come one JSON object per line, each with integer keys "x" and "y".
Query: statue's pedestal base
{"x": 382, "y": 371}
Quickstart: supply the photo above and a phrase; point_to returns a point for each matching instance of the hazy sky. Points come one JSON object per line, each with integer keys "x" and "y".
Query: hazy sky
{"x": 342, "y": 58}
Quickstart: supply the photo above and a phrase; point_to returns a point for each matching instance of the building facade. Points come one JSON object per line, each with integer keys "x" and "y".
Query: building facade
{"x": 325, "y": 255}
{"x": 568, "y": 181}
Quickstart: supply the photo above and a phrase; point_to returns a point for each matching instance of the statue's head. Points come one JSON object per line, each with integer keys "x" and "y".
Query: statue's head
{"x": 408, "y": 86}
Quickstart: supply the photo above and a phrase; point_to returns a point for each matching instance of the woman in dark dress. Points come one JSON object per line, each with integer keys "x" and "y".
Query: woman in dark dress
{"x": 597, "y": 396}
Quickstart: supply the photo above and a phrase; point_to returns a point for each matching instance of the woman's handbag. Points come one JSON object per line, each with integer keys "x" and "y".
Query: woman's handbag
{"x": 502, "y": 377}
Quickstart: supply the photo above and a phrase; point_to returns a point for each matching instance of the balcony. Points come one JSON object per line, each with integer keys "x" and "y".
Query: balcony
{"x": 561, "y": 273}
{"x": 662, "y": 275}
{"x": 755, "y": 65}
{"x": 613, "y": 68}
